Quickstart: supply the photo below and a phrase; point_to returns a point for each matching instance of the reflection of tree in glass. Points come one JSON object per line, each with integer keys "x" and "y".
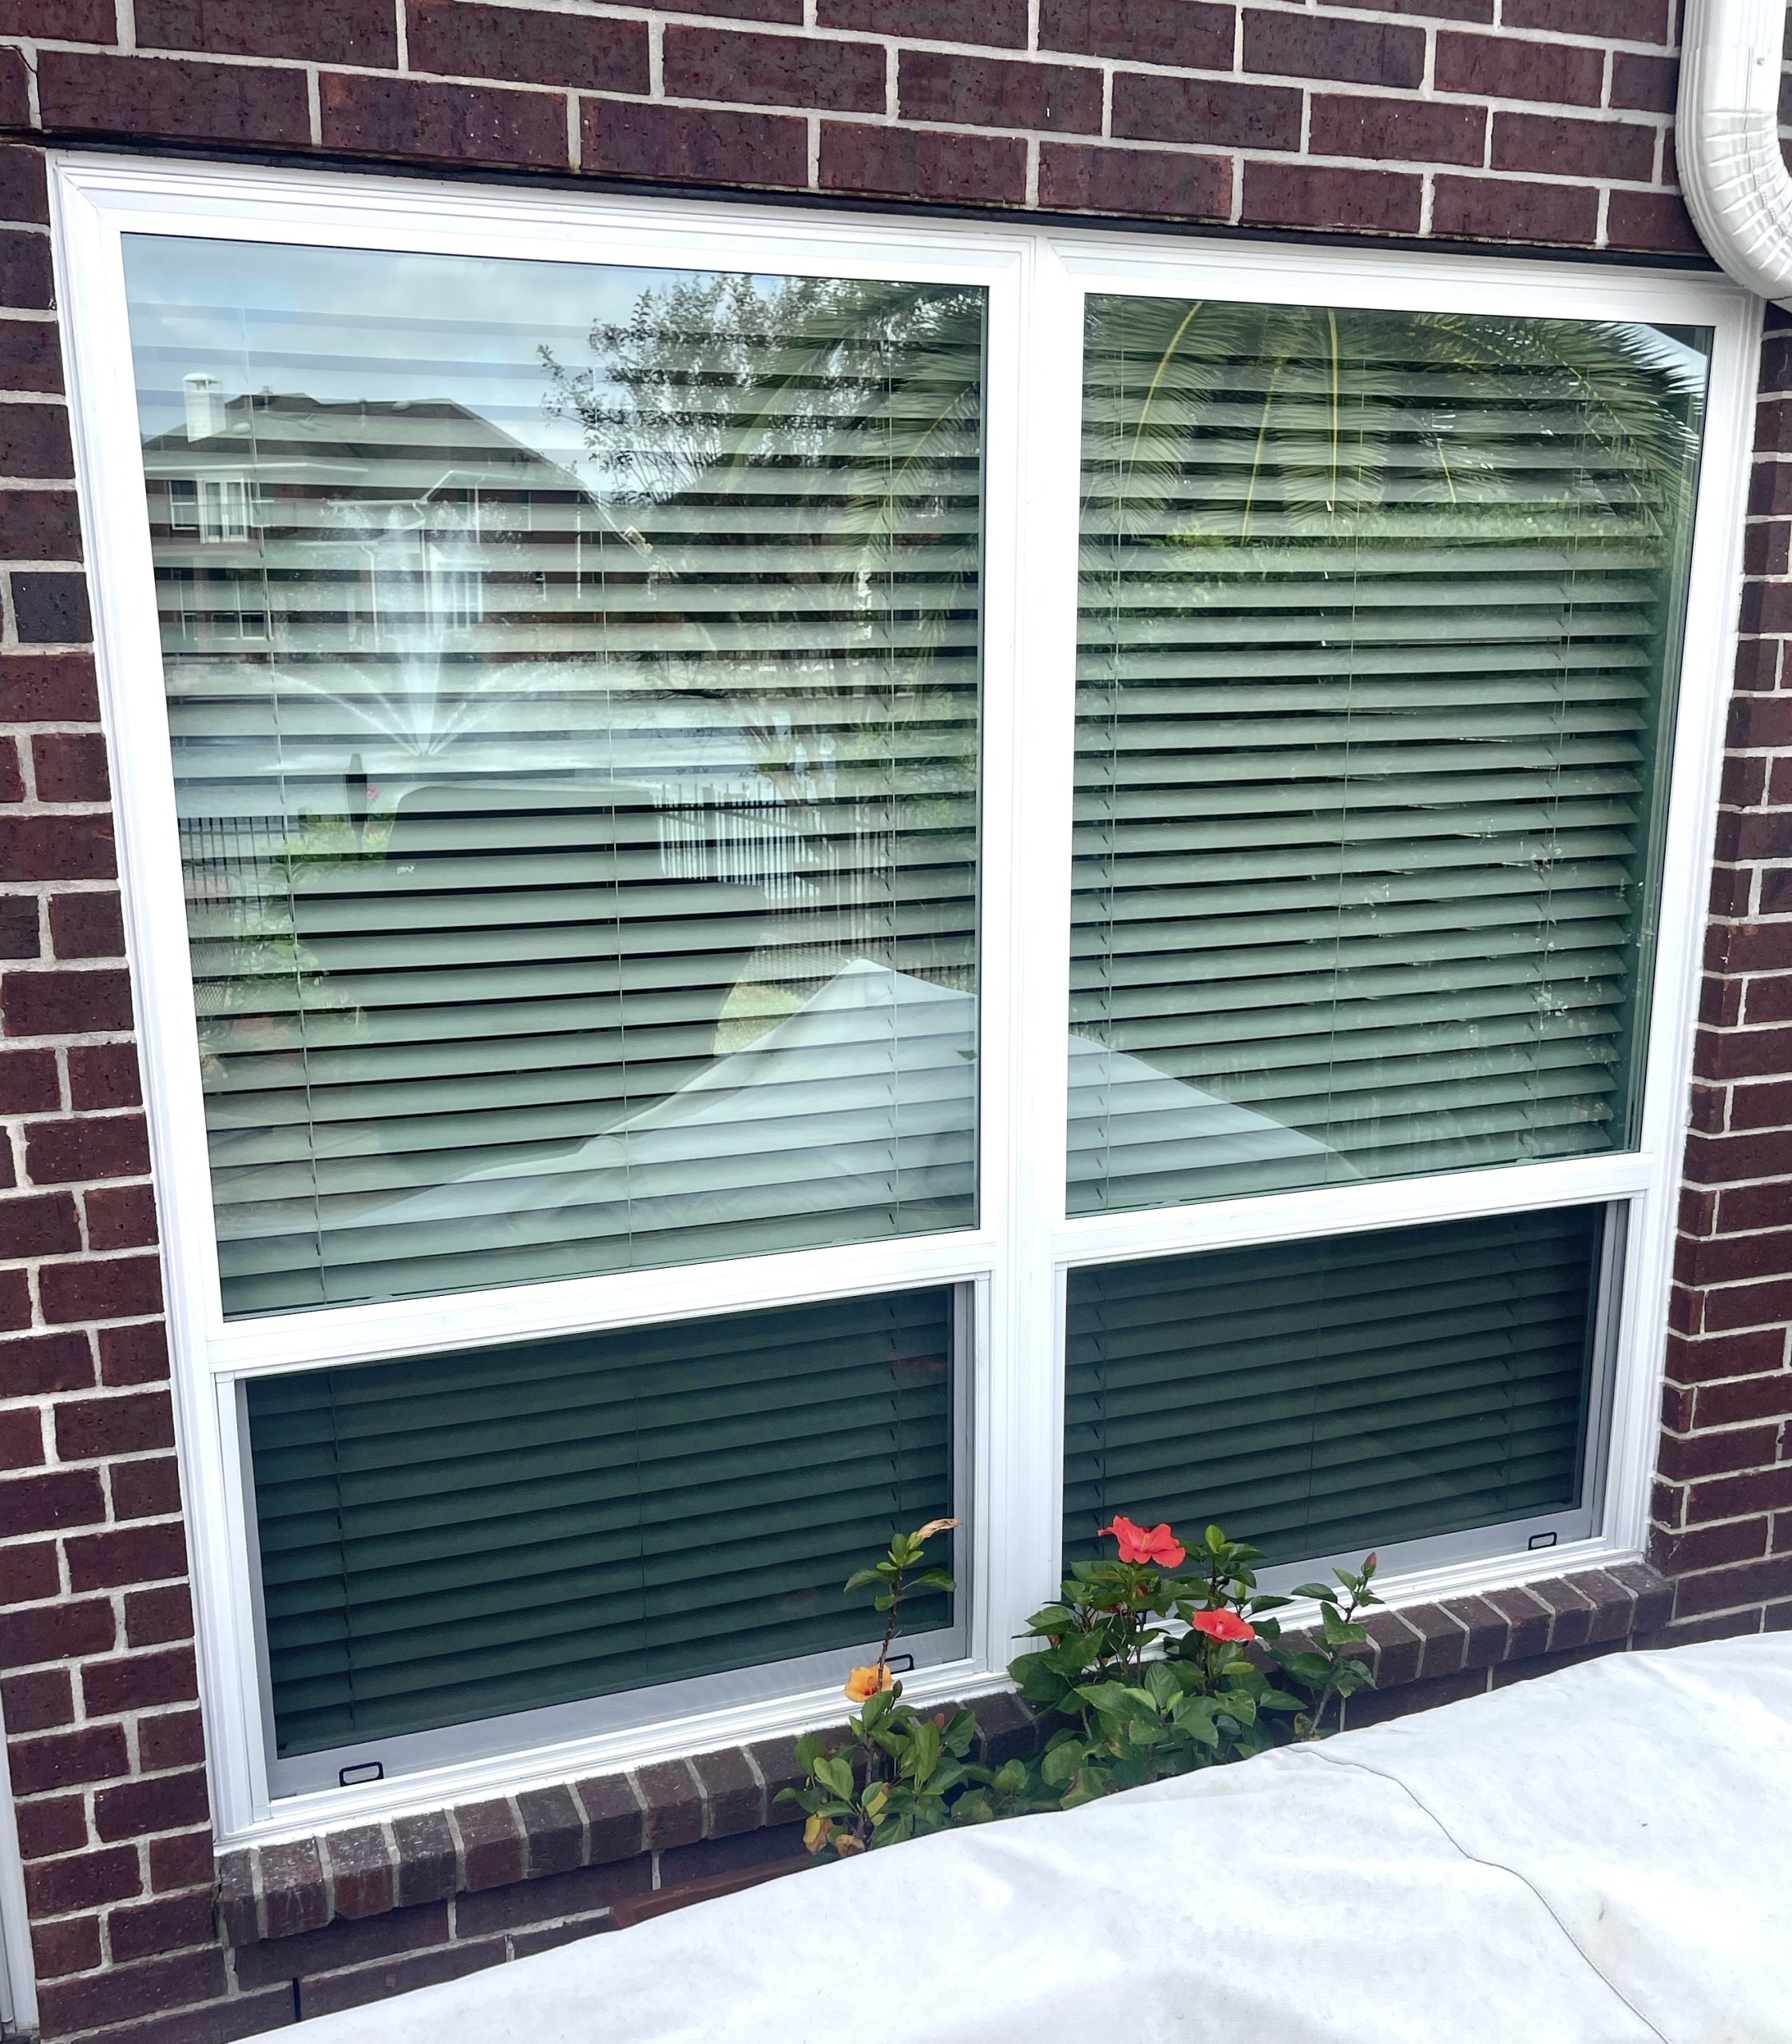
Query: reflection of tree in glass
{"x": 795, "y": 465}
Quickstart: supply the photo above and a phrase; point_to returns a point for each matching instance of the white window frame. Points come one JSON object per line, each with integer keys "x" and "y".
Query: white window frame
{"x": 1015, "y": 1259}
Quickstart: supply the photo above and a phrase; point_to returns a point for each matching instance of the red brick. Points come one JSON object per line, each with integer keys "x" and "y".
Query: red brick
{"x": 1755, "y": 721}
{"x": 1737, "y": 1449}
{"x": 710, "y": 146}
{"x": 921, "y": 164}
{"x": 528, "y": 46}
{"x": 1322, "y": 196}
{"x": 39, "y": 1700}
{"x": 163, "y": 1802}
{"x": 58, "y": 848}
{"x": 90, "y": 925}
{"x": 1768, "y": 1304}
{"x": 33, "y": 1572}
{"x": 25, "y": 278}
{"x": 60, "y": 21}
{"x": 103, "y": 1075}
{"x": 30, "y": 357}
{"x": 20, "y": 935}
{"x": 323, "y": 31}
{"x": 1150, "y": 108}
{"x": 139, "y": 1681}
{"x": 28, "y": 1082}
{"x": 378, "y": 1983}
{"x": 1710, "y": 1547}
{"x": 1000, "y": 23}
{"x": 59, "y": 1497}
{"x": 456, "y": 124}
{"x": 51, "y": 609}
{"x": 144, "y": 1930}
{"x": 1724, "y": 1355}
{"x": 363, "y": 1874}
{"x": 774, "y": 70}
{"x": 21, "y": 1438}
{"x": 1770, "y": 1000}
{"x": 15, "y": 1285}
{"x": 154, "y": 1618}
{"x": 295, "y": 1899}
{"x": 993, "y": 91}
{"x": 180, "y": 1862}
{"x": 65, "y": 1003}
{"x": 35, "y": 439}
{"x": 121, "y": 1992}
{"x": 82, "y": 1881}
{"x": 1555, "y": 146}
{"x": 83, "y": 93}
{"x": 1306, "y": 46}
{"x": 614, "y": 1817}
{"x": 87, "y": 1147}
{"x": 39, "y": 1363}
{"x": 120, "y": 1217}
{"x": 12, "y": 778}
{"x": 36, "y": 688}
{"x": 1505, "y": 67}
{"x": 148, "y": 1489}
{"x": 71, "y": 1944}
{"x": 114, "y": 1559}
{"x": 1745, "y": 1399}
{"x": 1647, "y": 84}
{"x": 574, "y": 1892}
{"x": 71, "y": 1760}
{"x": 789, "y": 12}
{"x": 51, "y": 1825}
{"x": 1171, "y": 183}
{"x": 1372, "y": 1708}
{"x": 40, "y": 1224}
{"x": 1401, "y": 130}
{"x": 69, "y": 765}
{"x": 126, "y": 1424}
{"x": 134, "y": 1355}
{"x": 1628, "y": 21}
{"x": 107, "y": 1288}
{"x": 674, "y": 1807}
{"x": 1504, "y": 209}
{"x": 492, "y": 1844}
{"x": 1721, "y": 1589}
{"x": 55, "y": 1632}
{"x": 1191, "y": 34}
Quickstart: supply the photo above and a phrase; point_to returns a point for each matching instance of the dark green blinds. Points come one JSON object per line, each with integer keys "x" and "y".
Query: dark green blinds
{"x": 572, "y": 674}
{"x": 457, "y": 1537}
{"x": 1317, "y": 1396}
{"x": 1378, "y": 630}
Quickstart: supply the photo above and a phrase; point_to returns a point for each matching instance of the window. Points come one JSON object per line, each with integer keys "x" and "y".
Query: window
{"x": 843, "y": 871}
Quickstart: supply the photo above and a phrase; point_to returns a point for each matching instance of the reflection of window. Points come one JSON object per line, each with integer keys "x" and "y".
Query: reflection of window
{"x": 224, "y": 509}
{"x": 687, "y": 1032}
{"x": 183, "y": 505}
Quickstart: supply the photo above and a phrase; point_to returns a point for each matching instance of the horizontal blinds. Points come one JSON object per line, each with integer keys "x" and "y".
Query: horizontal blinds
{"x": 1377, "y": 624}
{"x": 462, "y": 1536}
{"x": 1312, "y": 1398}
{"x": 574, "y": 681}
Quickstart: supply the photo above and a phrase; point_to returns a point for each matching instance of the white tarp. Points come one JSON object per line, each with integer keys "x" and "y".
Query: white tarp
{"x": 1600, "y": 1857}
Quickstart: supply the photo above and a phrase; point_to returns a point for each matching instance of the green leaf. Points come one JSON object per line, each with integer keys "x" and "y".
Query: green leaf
{"x": 1323, "y": 1591}
{"x": 834, "y": 1772}
{"x": 859, "y": 1577}
{"x": 1059, "y": 1764}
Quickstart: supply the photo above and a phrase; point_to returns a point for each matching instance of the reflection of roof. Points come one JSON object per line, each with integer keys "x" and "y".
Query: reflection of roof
{"x": 287, "y": 435}
{"x": 872, "y": 1075}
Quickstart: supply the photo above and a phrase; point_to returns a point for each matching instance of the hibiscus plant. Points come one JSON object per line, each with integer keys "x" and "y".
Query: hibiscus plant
{"x": 1143, "y": 1674}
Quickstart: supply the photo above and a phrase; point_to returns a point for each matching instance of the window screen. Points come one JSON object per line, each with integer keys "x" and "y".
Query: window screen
{"x": 1378, "y": 625}
{"x": 462, "y": 1536}
{"x": 1313, "y": 1396}
{"x": 572, "y": 674}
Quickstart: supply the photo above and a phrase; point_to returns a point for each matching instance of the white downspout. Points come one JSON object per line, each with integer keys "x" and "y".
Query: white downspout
{"x": 1737, "y": 186}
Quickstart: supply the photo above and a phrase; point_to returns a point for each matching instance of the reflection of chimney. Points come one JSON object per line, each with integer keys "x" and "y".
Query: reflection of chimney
{"x": 205, "y": 410}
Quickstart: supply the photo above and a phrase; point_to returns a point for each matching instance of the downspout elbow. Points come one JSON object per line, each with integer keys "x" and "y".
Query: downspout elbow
{"x": 1737, "y": 186}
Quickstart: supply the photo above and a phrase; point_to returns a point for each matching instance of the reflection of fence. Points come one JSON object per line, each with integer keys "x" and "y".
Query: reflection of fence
{"x": 225, "y": 858}
{"x": 741, "y": 840}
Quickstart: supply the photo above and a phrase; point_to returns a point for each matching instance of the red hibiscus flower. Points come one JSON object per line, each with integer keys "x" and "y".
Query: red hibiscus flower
{"x": 1222, "y": 1624}
{"x": 1136, "y": 1544}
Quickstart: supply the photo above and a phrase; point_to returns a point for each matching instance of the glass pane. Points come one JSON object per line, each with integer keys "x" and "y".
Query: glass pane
{"x": 1379, "y": 627}
{"x": 457, "y": 1537}
{"x": 573, "y": 676}
{"x": 1311, "y": 1397}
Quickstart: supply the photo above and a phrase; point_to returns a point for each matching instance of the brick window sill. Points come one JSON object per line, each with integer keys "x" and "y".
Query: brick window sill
{"x": 497, "y": 1878}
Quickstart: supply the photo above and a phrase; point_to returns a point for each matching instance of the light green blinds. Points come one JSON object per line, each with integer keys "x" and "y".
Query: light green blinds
{"x": 1317, "y": 1396}
{"x": 1378, "y": 625}
{"x": 460, "y": 1536}
{"x": 572, "y": 674}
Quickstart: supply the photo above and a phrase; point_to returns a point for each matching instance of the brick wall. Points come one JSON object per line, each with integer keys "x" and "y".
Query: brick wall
{"x": 1541, "y": 122}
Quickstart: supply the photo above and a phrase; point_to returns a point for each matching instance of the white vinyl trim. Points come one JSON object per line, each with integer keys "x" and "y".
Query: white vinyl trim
{"x": 18, "y": 1986}
{"x": 1015, "y": 1260}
